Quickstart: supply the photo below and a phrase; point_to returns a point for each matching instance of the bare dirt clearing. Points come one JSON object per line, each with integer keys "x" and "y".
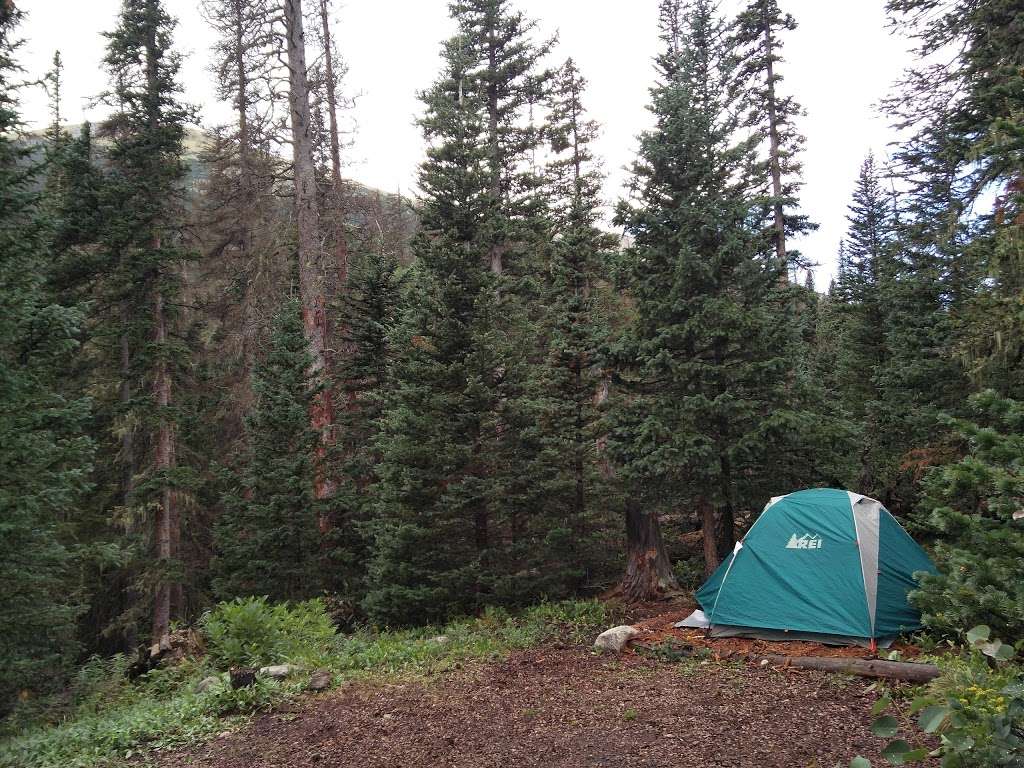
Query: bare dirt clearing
{"x": 557, "y": 706}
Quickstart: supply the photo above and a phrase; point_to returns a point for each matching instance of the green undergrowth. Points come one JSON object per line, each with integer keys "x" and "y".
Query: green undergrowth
{"x": 106, "y": 720}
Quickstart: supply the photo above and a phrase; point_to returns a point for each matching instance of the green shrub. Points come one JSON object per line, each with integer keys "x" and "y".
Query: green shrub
{"x": 975, "y": 708}
{"x": 972, "y": 511}
{"x": 251, "y": 632}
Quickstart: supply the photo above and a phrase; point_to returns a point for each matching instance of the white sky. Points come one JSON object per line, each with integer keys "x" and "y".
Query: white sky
{"x": 840, "y": 62}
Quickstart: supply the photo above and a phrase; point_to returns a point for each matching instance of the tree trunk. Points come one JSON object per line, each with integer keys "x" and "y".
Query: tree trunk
{"x": 166, "y": 516}
{"x": 312, "y": 292}
{"x": 774, "y": 154}
{"x": 912, "y": 672}
{"x": 341, "y": 247}
{"x": 128, "y": 434}
{"x": 648, "y": 570}
{"x": 718, "y": 537}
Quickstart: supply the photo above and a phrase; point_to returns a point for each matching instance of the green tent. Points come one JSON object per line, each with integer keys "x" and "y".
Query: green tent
{"x": 819, "y": 564}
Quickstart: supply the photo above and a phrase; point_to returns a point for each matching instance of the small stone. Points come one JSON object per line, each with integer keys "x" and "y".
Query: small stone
{"x": 615, "y": 639}
{"x": 440, "y": 639}
{"x": 207, "y": 683}
{"x": 280, "y": 671}
{"x": 321, "y": 680}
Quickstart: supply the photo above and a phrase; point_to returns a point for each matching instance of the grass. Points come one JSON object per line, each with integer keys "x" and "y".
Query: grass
{"x": 110, "y": 720}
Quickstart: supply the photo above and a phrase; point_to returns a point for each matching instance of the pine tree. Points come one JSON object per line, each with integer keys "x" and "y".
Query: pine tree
{"x": 44, "y": 458}
{"x": 703, "y": 370}
{"x": 367, "y": 315}
{"x": 449, "y": 526}
{"x": 266, "y": 539}
{"x": 146, "y": 188}
{"x": 757, "y": 34}
{"x": 866, "y": 277}
{"x": 570, "y": 488}
{"x": 971, "y": 510}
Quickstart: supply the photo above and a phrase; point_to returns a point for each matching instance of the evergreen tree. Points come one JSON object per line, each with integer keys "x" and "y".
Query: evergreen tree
{"x": 266, "y": 539}
{"x": 146, "y": 190}
{"x": 44, "y": 459}
{"x": 971, "y": 509}
{"x": 367, "y": 314}
{"x": 866, "y": 278}
{"x": 451, "y": 518}
{"x": 703, "y": 370}
{"x": 757, "y": 34}
{"x": 572, "y": 491}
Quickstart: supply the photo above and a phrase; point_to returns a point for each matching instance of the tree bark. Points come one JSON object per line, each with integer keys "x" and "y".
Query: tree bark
{"x": 167, "y": 520}
{"x": 774, "y": 158}
{"x": 312, "y": 293}
{"x": 891, "y": 670}
{"x": 341, "y": 247}
{"x": 648, "y": 569}
{"x": 718, "y": 537}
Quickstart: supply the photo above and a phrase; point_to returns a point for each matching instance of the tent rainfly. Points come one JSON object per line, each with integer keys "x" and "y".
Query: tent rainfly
{"x": 819, "y": 564}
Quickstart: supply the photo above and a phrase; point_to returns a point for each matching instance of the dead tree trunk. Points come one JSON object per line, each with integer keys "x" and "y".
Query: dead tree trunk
{"x": 648, "y": 569}
{"x": 891, "y": 670}
{"x": 312, "y": 293}
{"x": 774, "y": 154}
{"x": 331, "y": 86}
{"x": 167, "y": 520}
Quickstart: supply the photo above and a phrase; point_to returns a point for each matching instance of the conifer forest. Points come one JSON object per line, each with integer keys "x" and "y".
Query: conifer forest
{"x": 242, "y": 394}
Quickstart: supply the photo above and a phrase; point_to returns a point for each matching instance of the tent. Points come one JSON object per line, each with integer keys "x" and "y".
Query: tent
{"x": 819, "y": 564}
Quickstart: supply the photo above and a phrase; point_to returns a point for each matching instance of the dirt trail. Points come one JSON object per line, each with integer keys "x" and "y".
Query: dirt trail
{"x": 567, "y": 708}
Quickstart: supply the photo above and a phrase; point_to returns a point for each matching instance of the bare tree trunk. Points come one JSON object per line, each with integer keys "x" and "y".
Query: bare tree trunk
{"x": 718, "y": 536}
{"x": 166, "y": 516}
{"x": 774, "y": 158}
{"x": 341, "y": 247}
{"x": 497, "y": 249}
{"x": 312, "y": 291}
{"x": 128, "y": 434}
{"x": 648, "y": 569}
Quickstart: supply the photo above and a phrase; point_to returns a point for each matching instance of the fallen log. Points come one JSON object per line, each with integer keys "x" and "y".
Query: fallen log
{"x": 892, "y": 670}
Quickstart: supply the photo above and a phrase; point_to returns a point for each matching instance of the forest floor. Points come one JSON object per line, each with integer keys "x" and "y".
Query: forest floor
{"x": 560, "y": 705}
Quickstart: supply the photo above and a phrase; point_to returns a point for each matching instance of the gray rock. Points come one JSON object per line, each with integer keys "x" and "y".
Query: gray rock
{"x": 440, "y": 639}
{"x": 321, "y": 680}
{"x": 615, "y": 639}
{"x": 280, "y": 671}
{"x": 207, "y": 683}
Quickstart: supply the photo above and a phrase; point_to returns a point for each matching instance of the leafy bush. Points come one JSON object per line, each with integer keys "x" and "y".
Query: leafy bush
{"x": 975, "y": 707}
{"x": 251, "y": 632}
{"x": 974, "y": 512}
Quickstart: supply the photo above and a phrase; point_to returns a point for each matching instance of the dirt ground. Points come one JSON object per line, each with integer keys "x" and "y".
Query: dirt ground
{"x": 565, "y": 707}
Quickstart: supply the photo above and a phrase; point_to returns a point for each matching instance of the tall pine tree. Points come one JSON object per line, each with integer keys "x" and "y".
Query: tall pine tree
{"x": 147, "y": 187}
{"x": 703, "y": 371}
{"x": 44, "y": 458}
{"x": 266, "y": 538}
{"x": 451, "y": 522}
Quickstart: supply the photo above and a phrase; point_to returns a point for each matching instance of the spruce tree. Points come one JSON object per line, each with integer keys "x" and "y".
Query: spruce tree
{"x": 866, "y": 277}
{"x": 44, "y": 457}
{"x": 703, "y": 370}
{"x": 971, "y": 511}
{"x": 451, "y": 520}
{"x": 571, "y": 489}
{"x": 757, "y": 34}
{"x": 266, "y": 539}
{"x": 146, "y": 187}
{"x": 367, "y": 314}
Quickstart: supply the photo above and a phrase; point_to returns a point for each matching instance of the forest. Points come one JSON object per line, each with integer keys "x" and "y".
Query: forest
{"x": 228, "y": 372}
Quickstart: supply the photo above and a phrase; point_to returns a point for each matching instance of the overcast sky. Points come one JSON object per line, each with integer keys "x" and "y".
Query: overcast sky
{"x": 840, "y": 62}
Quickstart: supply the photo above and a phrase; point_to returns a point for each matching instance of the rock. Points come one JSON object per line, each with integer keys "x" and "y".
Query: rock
{"x": 321, "y": 680}
{"x": 207, "y": 683}
{"x": 615, "y": 639}
{"x": 280, "y": 671}
{"x": 440, "y": 639}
